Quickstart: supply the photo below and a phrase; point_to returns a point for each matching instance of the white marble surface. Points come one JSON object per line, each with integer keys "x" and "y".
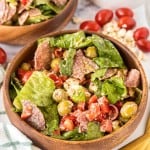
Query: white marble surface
{"x": 86, "y": 10}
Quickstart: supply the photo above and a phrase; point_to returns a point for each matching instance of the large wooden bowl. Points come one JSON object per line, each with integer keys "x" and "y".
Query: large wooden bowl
{"x": 104, "y": 143}
{"x": 23, "y": 34}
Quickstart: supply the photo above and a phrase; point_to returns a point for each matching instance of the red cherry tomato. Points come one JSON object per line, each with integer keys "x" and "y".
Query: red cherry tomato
{"x": 3, "y": 56}
{"x": 58, "y": 80}
{"x": 113, "y": 113}
{"x": 24, "y": 2}
{"x": 144, "y": 45}
{"x": 104, "y": 104}
{"x": 126, "y": 22}
{"x": 67, "y": 123}
{"x": 103, "y": 16}
{"x": 124, "y": 11}
{"x": 26, "y": 113}
{"x": 93, "y": 99}
{"x": 106, "y": 126}
{"x": 90, "y": 26}
{"x": 141, "y": 33}
{"x": 26, "y": 76}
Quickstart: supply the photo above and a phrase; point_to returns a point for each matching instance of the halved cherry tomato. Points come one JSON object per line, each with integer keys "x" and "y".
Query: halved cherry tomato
{"x": 94, "y": 111}
{"x": 103, "y": 16}
{"x": 141, "y": 33}
{"x": 26, "y": 113}
{"x": 90, "y": 26}
{"x": 124, "y": 11}
{"x": 104, "y": 104}
{"x": 26, "y": 76}
{"x": 144, "y": 45}
{"x": 113, "y": 113}
{"x": 24, "y": 2}
{"x": 20, "y": 73}
{"x": 106, "y": 126}
{"x": 81, "y": 106}
{"x": 67, "y": 123}
{"x": 58, "y": 81}
{"x": 126, "y": 22}
{"x": 3, "y": 56}
{"x": 93, "y": 99}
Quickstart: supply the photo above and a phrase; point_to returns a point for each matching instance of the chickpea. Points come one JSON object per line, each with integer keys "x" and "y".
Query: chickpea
{"x": 26, "y": 66}
{"x": 116, "y": 125}
{"x": 55, "y": 63}
{"x": 128, "y": 109}
{"x": 59, "y": 95}
{"x": 91, "y": 52}
{"x": 64, "y": 107}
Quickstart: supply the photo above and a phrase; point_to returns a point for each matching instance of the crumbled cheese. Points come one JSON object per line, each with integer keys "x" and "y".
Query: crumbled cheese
{"x": 122, "y": 35}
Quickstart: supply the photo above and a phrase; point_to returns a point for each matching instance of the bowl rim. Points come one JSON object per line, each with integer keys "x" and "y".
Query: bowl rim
{"x": 43, "y": 22}
{"x": 141, "y": 106}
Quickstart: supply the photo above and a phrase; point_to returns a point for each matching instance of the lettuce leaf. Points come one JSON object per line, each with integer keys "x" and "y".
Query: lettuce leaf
{"x": 93, "y": 131}
{"x": 52, "y": 118}
{"x": 67, "y": 64}
{"x": 78, "y": 94}
{"x": 108, "y": 54}
{"x": 74, "y": 40}
{"x": 98, "y": 74}
{"x": 38, "y": 89}
{"x": 114, "y": 89}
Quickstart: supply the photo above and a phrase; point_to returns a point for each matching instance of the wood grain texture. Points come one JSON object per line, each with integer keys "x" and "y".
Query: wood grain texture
{"x": 107, "y": 142}
{"x": 20, "y": 35}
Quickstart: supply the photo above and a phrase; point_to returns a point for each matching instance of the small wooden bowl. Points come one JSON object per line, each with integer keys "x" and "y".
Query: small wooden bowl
{"x": 105, "y": 143}
{"x": 20, "y": 35}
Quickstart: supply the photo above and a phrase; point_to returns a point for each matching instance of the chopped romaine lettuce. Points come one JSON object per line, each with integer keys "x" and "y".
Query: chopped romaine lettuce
{"x": 98, "y": 74}
{"x": 114, "y": 89}
{"x": 74, "y": 40}
{"x": 38, "y": 89}
{"x": 93, "y": 131}
{"x": 52, "y": 118}
{"x": 78, "y": 94}
{"x": 37, "y": 19}
{"x": 108, "y": 54}
{"x": 15, "y": 86}
{"x": 67, "y": 64}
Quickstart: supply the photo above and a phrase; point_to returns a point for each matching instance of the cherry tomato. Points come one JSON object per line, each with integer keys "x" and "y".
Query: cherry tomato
{"x": 58, "y": 80}
{"x": 144, "y": 45}
{"x": 90, "y": 26}
{"x": 113, "y": 113}
{"x": 124, "y": 11}
{"x": 94, "y": 111}
{"x": 24, "y": 2}
{"x": 103, "y": 16}
{"x": 106, "y": 126}
{"x": 126, "y": 22}
{"x": 141, "y": 33}
{"x": 67, "y": 123}
{"x": 26, "y": 76}
{"x": 81, "y": 106}
{"x": 104, "y": 104}
{"x": 26, "y": 113}
{"x": 20, "y": 73}
{"x": 93, "y": 99}
{"x": 3, "y": 56}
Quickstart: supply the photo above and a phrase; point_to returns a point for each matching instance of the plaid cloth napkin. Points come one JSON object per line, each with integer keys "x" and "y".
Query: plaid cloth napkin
{"x": 10, "y": 137}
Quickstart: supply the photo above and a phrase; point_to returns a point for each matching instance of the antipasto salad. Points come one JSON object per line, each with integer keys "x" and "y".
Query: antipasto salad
{"x": 24, "y": 12}
{"x": 77, "y": 87}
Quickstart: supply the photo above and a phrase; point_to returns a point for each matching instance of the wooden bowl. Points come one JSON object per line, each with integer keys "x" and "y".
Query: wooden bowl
{"x": 104, "y": 143}
{"x": 20, "y": 35}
